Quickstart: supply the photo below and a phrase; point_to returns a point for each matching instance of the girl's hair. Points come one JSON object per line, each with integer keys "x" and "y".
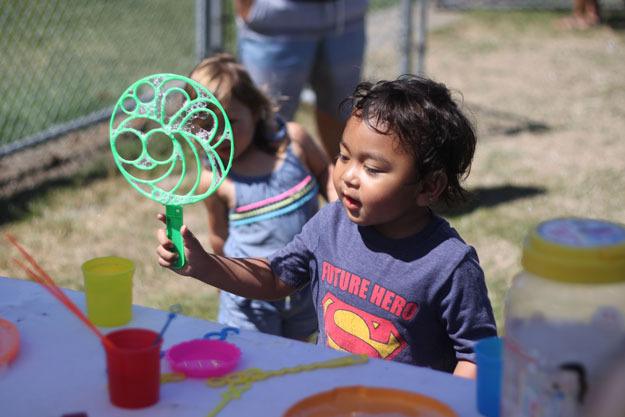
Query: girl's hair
{"x": 228, "y": 79}
{"x": 426, "y": 121}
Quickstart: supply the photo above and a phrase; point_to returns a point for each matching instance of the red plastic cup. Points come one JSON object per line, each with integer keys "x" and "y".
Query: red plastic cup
{"x": 134, "y": 368}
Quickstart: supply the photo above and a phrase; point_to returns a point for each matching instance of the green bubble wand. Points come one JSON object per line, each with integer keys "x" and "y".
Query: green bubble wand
{"x": 162, "y": 129}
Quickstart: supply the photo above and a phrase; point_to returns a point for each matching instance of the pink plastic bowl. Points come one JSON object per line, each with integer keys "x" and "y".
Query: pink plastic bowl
{"x": 203, "y": 358}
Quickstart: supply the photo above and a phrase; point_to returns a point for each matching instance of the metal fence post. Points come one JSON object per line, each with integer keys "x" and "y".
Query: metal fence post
{"x": 208, "y": 28}
{"x": 407, "y": 34}
{"x": 421, "y": 41}
{"x": 405, "y": 66}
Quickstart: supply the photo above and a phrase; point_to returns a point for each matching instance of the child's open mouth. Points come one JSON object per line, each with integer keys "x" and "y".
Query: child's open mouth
{"x": 350, "y": 203}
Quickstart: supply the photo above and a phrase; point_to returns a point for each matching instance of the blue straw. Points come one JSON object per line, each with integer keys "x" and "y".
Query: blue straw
{"x": 174, "y": 309}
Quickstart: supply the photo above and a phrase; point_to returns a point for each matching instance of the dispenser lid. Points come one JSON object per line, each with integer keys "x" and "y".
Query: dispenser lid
{"x": 579, "y": 250}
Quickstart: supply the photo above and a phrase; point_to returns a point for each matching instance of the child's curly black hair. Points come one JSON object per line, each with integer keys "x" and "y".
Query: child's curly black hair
{"x": 426, "y": 121}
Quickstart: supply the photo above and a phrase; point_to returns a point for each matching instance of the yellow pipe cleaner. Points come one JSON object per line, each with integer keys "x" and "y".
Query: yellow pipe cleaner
{"x": 241, "y": 381}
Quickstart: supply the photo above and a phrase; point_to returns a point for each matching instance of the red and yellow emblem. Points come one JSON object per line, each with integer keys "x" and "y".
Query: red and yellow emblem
{"x": 359, "y": 332}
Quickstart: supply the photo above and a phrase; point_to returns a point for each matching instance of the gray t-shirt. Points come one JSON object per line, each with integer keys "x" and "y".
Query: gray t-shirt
{"x": 420, "y": 300}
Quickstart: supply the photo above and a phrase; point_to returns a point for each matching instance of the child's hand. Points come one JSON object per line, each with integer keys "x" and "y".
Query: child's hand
{"x": 193, "y": 250}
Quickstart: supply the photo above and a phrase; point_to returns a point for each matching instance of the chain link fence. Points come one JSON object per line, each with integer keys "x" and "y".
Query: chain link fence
{"x": 64, "y": 62}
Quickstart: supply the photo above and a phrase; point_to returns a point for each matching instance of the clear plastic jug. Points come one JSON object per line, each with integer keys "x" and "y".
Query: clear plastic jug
{"x": 564, "y": 318}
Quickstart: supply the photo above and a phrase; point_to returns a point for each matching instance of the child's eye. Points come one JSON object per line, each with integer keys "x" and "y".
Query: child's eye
{"x": 341, "y": 157}
{"x": 371, "y": 170}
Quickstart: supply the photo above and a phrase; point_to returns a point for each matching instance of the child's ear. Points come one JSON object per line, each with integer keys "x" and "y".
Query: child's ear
{"x": 432, "y": 188}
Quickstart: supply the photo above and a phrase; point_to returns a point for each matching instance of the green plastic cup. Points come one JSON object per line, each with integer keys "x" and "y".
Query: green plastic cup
{"x": 108, "y": 289}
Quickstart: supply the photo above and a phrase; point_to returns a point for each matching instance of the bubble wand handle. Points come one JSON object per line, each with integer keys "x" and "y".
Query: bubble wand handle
{"x": 173, "y": 219}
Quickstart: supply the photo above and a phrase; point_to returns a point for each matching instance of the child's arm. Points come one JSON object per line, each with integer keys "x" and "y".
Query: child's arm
{"x": 465, "y": 369}
{"x": 247, "y": 277}
{"x": 314, "y": 158}
{"x": 467, "y": 312}
{"x": 217, "y": 224}
{"x": 217, "y": 210}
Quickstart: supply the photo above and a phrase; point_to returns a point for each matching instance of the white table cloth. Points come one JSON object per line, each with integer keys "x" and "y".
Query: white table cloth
{"x": 61, "y": 366}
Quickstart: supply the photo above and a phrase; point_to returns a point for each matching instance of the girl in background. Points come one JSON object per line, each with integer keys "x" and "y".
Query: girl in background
{"x": 270, "y": 193}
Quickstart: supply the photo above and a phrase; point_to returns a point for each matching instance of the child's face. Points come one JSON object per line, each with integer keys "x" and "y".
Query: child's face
{"x": 243, "y": 124}
{"x": 375, "y": 181}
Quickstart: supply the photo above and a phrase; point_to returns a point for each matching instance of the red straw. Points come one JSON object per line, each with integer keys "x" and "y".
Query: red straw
{"x": 48, "y": 283}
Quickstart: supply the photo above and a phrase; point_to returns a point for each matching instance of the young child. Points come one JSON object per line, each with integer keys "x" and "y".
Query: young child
{"x": 390, "y": 278}
{"x": 269, "y": 194}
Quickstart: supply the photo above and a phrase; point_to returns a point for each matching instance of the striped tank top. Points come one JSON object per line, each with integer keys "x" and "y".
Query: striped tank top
{"x": 270, "y": 209}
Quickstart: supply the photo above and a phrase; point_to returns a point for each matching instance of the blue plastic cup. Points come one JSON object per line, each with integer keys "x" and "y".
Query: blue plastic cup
{"x": 488, "y": 354}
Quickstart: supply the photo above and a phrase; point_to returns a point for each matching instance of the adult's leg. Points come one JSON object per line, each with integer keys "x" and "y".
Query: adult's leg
{"x": 336, "y": 73}
{"x": 330, "y": 131}
{"x": 592, "y": 14}
{"x": 585, "y": 14}
{"x": 579, "y": 8}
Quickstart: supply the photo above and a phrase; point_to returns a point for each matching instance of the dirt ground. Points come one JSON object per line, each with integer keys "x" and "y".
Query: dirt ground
{"x": 54, "y": 160}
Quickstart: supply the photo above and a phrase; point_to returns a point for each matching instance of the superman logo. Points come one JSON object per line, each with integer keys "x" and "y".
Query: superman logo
{"x": 356, "y": 331}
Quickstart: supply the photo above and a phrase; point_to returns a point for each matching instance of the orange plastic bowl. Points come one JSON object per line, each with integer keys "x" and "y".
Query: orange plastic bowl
{"x": 360, "y": 401}
{"x": 9, "y": 342}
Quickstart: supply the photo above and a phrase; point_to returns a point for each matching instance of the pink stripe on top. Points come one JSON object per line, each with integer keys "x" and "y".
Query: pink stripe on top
{"x": 278, "y": 197}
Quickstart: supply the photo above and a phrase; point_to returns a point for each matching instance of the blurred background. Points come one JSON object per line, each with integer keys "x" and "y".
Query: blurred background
{"x": 548, "y": 102}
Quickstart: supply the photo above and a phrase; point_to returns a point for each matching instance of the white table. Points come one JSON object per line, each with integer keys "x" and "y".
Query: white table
{"x": 61, "y": 366}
